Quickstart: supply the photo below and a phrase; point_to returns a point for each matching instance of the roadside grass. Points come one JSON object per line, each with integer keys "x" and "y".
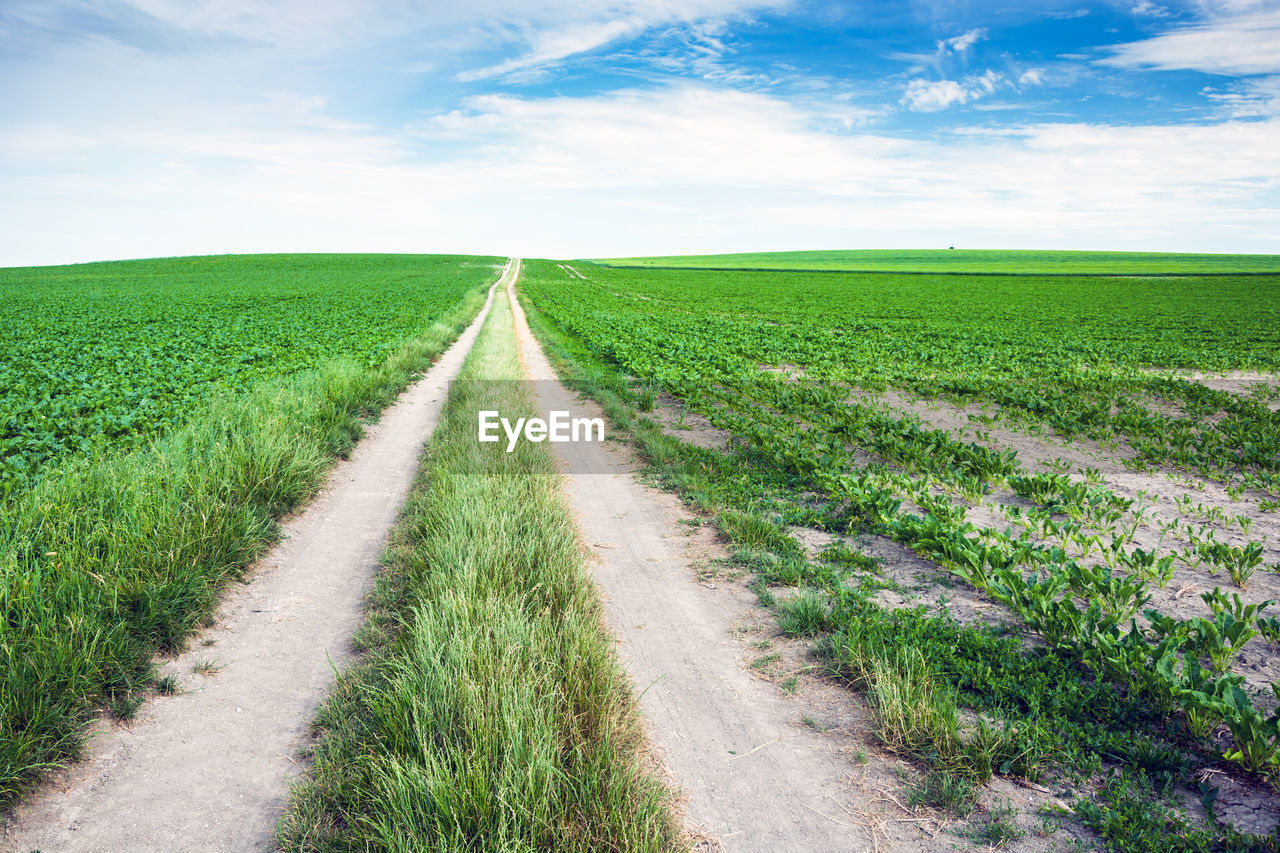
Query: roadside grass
{"x": 121, "y": 557}
{"x": 1038, "y": 714}
{"x": 490, "y": 712}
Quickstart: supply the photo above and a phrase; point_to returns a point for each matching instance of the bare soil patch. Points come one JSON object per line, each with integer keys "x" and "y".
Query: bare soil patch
{"x": 688, "y": 426}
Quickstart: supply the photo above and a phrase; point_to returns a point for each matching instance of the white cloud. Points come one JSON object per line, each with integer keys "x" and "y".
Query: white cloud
{"x": 1031, "y": 77}
{"x": 1250, "y": 98}
{"x": 933, "y": 95}
{"x": 687, "y": 168}
{"x": 578, "y": 28}
{"x": 1151, "y": 10}
{"x": 553, "y": 46}
{"x": 1246, "y": 41}
{"x": 962, "y": 42}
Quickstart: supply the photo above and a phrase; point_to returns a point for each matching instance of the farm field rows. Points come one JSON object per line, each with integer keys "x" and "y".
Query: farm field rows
{"x": 1015, "y": 262}
{"x": 108, "y": 355}
{"x": 1032, "y": 519}
{"x": 159, "y": 418}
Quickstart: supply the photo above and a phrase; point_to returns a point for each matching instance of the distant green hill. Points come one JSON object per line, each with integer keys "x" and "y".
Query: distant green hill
{"x": 971, "y": 261}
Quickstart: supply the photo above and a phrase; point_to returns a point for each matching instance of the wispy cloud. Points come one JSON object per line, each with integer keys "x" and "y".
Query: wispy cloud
{"x": 1243, "y": 43}
{"x": 578, "y": 29}
{"x": 1148, "y": 9}
{"x": 1250, "y": 98}
{"x": 553, "y": 46}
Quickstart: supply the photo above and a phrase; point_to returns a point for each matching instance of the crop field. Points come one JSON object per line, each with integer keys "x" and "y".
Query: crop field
{"x": 1033, "y": 520}
{"x": 1015, "y": 262}
{"x": 158, "y": 418}
{"x": 1026, "y": 525}
{"x": 111, "y": 354}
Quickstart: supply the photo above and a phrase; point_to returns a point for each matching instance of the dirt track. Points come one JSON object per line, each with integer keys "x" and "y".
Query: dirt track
{"x": 209, "y": 769}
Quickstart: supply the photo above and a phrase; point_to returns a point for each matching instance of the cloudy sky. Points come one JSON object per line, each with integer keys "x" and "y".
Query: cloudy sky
{"x": 135, "y": 128}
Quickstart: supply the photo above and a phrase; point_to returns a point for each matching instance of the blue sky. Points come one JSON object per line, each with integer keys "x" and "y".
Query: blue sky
{"x": 137, "y": 128}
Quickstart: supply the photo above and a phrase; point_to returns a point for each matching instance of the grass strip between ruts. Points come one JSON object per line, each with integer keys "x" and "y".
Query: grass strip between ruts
{"x": 490, "y": 712}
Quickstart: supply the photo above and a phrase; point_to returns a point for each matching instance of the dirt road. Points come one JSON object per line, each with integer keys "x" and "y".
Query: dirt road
{"x": 209, "y": 769}
{"x": 755, "y": 779}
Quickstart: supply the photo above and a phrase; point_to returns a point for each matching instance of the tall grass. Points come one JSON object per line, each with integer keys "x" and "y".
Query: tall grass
{"x": 491, "y": 713}
{"x": 116, "y": 558}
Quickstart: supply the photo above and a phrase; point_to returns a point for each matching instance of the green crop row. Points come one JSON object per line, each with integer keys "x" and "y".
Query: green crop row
{"x": 1067, "y": 603}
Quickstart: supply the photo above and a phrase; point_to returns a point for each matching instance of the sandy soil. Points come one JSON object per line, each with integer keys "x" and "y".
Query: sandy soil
{"x": 209, "y": 769}
{"x": 688, "y": 426}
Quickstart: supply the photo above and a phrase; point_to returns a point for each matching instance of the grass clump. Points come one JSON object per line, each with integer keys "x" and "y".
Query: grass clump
{"x": 996, "y": 828}
{"x": 955, "y": 794}
{"x": 805, "y": 614}
{"x": 915, "y": 716}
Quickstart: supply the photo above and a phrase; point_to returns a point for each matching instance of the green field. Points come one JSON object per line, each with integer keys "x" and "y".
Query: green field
{"x": 192, "y": 403}
{"x": 1016, "y": 262}
{"x": 1091, "y": 665}
{"x": 111, "y": 354}
{"x": 1073, "y": 353}
{"x": 1031, "y": 516}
